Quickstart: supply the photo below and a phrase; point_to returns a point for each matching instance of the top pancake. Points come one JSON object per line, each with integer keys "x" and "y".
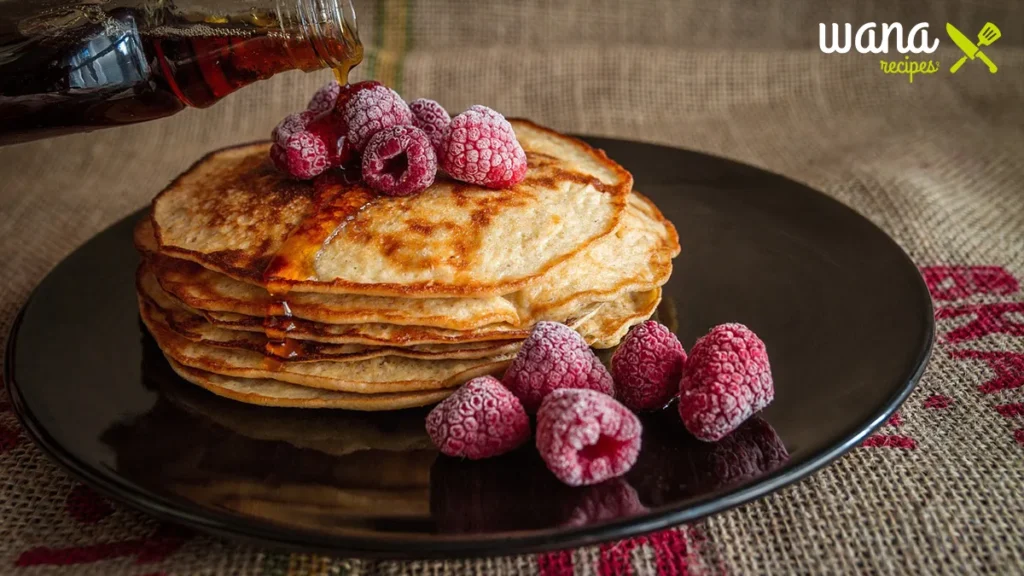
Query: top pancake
{"x": 235, "y": 213}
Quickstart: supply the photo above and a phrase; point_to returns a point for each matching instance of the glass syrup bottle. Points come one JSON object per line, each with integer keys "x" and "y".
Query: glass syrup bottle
{"x": 78, "y": 65}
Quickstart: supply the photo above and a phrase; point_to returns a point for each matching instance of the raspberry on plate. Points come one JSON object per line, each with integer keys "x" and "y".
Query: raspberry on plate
{"x": 291, "y": 124}
{"x": 481, "y": 419}
{"x": 372, "y": 108}
{"x": 330, "y": 127}
{"x": 432, "y": 118}
{"x": 586, "y": 437}
{"x": 345, "y": 93}
{"x": 324, "y": 98}
{"x": 726, "y": 379}
{"x": 481, "y": 148}
{"x": 647, "y": 367}
{"x": 399, "y": 161}
{"x": 302, "y": 155}
{"x": 554, "y": 356}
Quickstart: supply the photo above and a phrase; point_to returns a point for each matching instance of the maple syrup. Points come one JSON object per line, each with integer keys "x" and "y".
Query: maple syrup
{"x": 334, "y": 204}
{"x": 68, "y": 66}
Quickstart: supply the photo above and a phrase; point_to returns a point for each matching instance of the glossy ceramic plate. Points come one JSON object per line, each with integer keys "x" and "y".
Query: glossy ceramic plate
{"x": 843, "y": 311}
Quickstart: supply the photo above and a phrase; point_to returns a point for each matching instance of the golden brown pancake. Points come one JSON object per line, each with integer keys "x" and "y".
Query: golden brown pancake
{"x": 326, "y": 294}
{"x": 153, "y": 301}
{"x": 372, "y": 376}
{"x": 235, "y": 213}
{"x": 267, "y": 392}
{"x": 636, "y": 257}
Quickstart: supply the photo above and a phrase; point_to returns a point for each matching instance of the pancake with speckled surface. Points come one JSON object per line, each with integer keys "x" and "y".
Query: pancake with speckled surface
{"x": 235, "y": 213}
{"x": 326, "y": 294}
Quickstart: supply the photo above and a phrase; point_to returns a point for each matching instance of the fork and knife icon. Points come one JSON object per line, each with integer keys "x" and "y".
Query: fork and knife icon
{"x": 989, "y": 34}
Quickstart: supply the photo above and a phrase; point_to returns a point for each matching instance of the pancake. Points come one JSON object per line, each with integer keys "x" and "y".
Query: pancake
{"x": 193, "y": 326}
{"x": 636, "y": 257}
{"x": 198, "y": 329}
{"x": 372, "y": 376}
{"x": 383, "y": 334}
{"x": 205, "y": 289}
{"x": 267, "y": 392}
{"x": 616, "y": 318}
{"x": 235, "y": 213}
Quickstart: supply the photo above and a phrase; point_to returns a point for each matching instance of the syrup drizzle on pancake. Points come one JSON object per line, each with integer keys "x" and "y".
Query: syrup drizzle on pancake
{"x": 334, "y": 205}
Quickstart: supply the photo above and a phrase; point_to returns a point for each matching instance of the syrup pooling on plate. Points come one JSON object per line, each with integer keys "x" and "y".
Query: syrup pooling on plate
{"x": 334, "y": 206}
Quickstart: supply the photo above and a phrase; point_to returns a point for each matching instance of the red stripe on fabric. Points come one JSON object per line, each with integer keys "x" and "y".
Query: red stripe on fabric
{"x": 890, "y": 441}
{"x": 87, "y": 506}
{"x": 958, "y": 282}
{"x": 937, "y": 402}
{"x": 988, "y": 319}
{"x": 1011, "y": 410}
{"x": 1008, "y": 366}
{"x": 9, "y": 439}
{"x": 558, "y": 563}
{"x": 669, "y": 547}
{"x": 166, "y": 540}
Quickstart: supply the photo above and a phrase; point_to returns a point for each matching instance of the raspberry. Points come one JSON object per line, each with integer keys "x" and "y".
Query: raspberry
{"x": 345, "y": 93}
{"x": 554, "y": 356}
{"x": 399, "y": 161}
{"x": 330, "y": 127}
{"x": 432, "y": 118}
{"x": 609, "y": 500}
{"x": 647, "y": 366}
{"x": 586, "y": 437}
{"x": 371, "y": 109}
{"x": 480, "y": 147}
{"x": 726, "y": 379}
{"x": 480, "y": 420}
{"x": 324, "y": 98}
{"x": 291, "y": 124}
{"x": 302, "y": 155}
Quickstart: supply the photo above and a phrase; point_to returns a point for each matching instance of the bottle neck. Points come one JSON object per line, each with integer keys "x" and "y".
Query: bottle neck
{"x": 328, "y": 27}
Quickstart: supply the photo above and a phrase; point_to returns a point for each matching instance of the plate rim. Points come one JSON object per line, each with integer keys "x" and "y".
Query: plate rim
{"x": 412, "y": 546}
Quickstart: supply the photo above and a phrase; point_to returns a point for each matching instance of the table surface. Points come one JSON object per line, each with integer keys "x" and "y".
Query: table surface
{"x": 936, "y": 163}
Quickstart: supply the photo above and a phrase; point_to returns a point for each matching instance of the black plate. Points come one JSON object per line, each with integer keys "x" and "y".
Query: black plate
{"x": 844, "y": 313}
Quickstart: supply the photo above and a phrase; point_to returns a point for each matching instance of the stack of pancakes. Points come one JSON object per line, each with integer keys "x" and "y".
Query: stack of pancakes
{"x": 325, "y": 294}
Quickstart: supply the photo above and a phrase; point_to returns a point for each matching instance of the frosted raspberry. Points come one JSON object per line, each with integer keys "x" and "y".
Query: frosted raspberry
{"x": 324, "y": 98}
{"x": 480, "y": 147}
{"x": 399, "y": 161}
{"x": 586, "y": 437}
{"x": 371, "y": 109}
{"x": 345, "y": 93}
{"x": 330, "y": 127}
{"x": 554, "y": 356}
{"x": 302, "y": 155}
{"x": 647, "y": 366}
{"x": 291, "y": 124}
{"x": 726, "y": 379}
{"x": 432, "y": 118}
{"x": 480, "y": 420}
{"x": 608, "y": 500}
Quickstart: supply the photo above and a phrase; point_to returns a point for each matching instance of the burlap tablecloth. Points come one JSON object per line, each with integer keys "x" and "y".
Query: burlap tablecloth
{"x": 938, "y": 163}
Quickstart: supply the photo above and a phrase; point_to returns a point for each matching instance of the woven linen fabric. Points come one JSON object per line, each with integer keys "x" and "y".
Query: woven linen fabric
{"x": 938, "y": 163}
